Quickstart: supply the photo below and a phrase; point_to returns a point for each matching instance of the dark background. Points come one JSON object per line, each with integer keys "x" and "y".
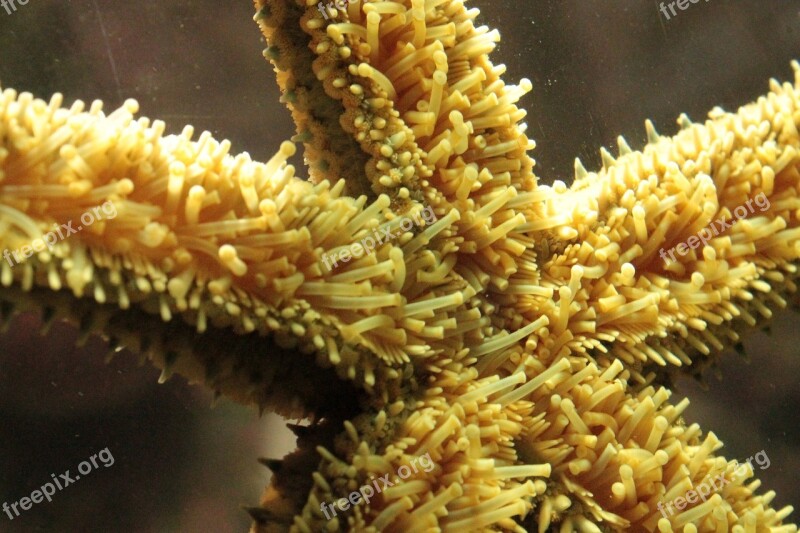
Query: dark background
{"x": 599, "y": 68}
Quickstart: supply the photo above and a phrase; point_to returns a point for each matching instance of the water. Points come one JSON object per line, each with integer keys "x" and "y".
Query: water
{"x": 598, "y": 69}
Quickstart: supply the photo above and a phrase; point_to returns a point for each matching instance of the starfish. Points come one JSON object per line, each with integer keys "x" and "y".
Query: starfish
{"x": 520, "y": 338}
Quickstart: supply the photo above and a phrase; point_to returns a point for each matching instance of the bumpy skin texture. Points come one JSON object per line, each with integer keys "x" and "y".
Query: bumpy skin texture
{"x": 515, "y": 334}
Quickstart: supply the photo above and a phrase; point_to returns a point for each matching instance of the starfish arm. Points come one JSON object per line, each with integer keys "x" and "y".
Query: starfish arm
{"x": 109, "y": 208}
{"x": 522, "y": 449}
{"x": 225, "y": 243}
{"x": 414, "y": 90}
{"x": 664, "y": 256}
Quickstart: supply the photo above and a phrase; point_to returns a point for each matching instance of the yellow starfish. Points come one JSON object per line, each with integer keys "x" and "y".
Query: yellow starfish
{"x": 510, "y": 334}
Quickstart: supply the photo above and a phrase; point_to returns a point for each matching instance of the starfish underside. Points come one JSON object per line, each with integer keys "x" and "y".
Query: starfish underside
{"x": 522, "y": 338}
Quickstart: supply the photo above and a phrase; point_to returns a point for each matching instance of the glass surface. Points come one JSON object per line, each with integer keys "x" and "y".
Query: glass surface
{"x": 599, "y": 68}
